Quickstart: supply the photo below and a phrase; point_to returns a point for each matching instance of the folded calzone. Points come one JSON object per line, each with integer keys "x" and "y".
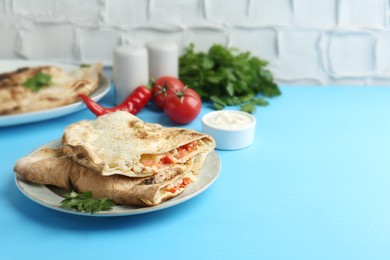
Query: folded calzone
{"x": 38, "y": 88}
{"x": 121, "y": 143}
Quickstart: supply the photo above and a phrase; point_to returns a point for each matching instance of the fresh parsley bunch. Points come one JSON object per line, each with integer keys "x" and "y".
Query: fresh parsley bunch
{"x": 86, "y": 203}
{"x": 228, "y": 77}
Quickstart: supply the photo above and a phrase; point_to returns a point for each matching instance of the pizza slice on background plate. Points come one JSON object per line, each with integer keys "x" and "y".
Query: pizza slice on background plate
{"x": 42, "y": 87}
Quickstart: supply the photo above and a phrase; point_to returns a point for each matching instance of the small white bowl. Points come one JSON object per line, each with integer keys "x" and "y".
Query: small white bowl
{"x": 231, "y": 129}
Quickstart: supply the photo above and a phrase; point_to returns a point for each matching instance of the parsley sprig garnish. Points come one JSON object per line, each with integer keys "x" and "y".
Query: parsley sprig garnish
{"x": 86, "y": 203}
{"x": 228, "y": 77}
{"x": 38, "y": 81}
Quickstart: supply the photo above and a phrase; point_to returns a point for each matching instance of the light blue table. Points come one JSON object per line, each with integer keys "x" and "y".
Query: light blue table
{"x": 314, "y": 185}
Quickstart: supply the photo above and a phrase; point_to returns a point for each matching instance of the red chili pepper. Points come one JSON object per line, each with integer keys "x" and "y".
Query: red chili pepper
{"x": 132, "y": 104}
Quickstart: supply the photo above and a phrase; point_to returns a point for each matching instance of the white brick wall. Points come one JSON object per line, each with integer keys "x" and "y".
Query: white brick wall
{"x": 359, "y": 47}
{"x": 321, "y": 42}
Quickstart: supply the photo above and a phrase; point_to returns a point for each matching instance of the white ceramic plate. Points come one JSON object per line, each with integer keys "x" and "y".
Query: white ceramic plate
{"x": 51, "y": 197}
{"x": 9, "y": 120}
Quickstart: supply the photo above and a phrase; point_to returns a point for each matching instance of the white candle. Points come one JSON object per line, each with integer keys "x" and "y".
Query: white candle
{"x": 163, "y": 59}
{"x": 130, "y": 70}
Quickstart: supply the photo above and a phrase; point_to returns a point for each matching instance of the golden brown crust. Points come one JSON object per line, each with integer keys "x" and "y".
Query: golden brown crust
{"x": 42, "y": 168}
{"x": 49, "y": 166}
{"x": 116, "y": 143}
{"x": 114, "y": 140}
{"x": 17, "y": 77}
{"x": 63, "y": 90}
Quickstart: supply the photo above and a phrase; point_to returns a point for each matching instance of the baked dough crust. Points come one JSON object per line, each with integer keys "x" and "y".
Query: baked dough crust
{"x": 63, "y": 90}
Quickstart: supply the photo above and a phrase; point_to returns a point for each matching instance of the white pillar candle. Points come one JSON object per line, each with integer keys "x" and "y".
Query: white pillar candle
{"x": 130, "y": 70}
{"x": 163, "y": 59}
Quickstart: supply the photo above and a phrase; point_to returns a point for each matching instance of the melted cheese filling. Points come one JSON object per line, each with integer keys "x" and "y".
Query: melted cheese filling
{"x": 150, "y": 164}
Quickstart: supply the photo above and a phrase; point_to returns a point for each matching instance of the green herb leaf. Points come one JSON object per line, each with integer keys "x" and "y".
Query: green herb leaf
{"x": 207, "y": 63}
{"x": 218, "y": 104}
{"x": 38, "y": 81}
{"x": 249, "y": 107}
{"x": 230, "y": 88}
{"x": 235, "y": 78}
{"x": 86, "y": 203}
{"x": 261, "y": 102}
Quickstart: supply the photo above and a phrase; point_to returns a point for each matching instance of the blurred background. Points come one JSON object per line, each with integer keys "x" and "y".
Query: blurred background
{"x": 307, "y": 42}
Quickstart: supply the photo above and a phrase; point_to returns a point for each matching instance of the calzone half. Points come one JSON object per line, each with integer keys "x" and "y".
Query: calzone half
{"x": 62, "y": 87}
{"x": 49, "y": 166}
{"x": 120, "y": 143}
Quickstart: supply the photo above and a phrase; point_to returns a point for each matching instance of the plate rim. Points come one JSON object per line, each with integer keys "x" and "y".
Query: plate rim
{"x": 55, "y": 112}
{"x": 188, "y": 194}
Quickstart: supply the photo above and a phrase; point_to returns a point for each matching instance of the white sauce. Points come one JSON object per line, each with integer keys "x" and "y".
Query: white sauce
{"x": 229, "y": 120}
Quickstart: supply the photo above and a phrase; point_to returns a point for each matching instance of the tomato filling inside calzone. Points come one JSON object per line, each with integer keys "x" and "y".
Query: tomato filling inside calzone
{"x": 120, "y": 143}
{"x": 180, "y": 186}
{"x": 177, "y": 155}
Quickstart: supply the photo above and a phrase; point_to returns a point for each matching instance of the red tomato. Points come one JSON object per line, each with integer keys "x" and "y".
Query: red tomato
{"x": 183, "y": 105}
{"x": 162, "y": 86}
